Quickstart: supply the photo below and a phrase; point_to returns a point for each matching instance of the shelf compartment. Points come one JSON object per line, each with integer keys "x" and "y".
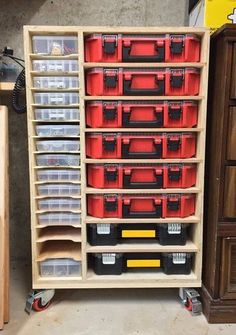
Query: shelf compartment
{"x": 59, "y": 234}
{"x": 59, "y": 249}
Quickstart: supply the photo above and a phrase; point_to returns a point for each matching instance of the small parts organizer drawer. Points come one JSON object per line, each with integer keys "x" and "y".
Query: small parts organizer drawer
{"x": 55, "y": 65}
{"x": 60, "y": 267}
{"x": 57, "y": 99}
{"x": 116, "y": 264}
{"x": 43, "y": 114}
{"x": 56, "y": 82}
{"x": 121, "y": 81}
{"x": 141, "y": 176}
{"x": 55, "y": 45}
{"x": 112, "y": 234}
{"x": 141, "y": 114}
{"x": 142, "y": 48}
{"x": 136, "y": 206}
{"x": 176, "y": 145}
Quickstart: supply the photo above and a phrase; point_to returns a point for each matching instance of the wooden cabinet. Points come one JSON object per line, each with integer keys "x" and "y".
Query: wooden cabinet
{"x": 219, "y": 268}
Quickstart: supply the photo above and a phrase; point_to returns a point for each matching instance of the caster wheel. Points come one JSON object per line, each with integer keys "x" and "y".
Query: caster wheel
{"x": 38, "y": 307}
{"x": 189, "y": 305}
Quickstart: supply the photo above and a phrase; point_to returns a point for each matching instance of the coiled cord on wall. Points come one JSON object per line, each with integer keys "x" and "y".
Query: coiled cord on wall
{"x": 18, "y": 88}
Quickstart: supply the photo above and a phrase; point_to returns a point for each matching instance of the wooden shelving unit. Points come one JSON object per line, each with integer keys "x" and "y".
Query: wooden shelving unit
{"x": 56, "y": 242}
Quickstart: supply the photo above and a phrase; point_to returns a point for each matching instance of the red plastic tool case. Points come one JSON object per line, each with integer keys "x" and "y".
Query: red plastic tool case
{"x": 117, "y": 145}
{"x": 170, "y": 82}
{"x": 141, "y": 176}
{"x": 111, "y": 114}
{"x": 136, "y": 206}
{"x": 142, "y": 48}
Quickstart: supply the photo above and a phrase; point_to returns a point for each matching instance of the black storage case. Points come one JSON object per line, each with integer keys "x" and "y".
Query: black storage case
{"x": 171, "y": 268}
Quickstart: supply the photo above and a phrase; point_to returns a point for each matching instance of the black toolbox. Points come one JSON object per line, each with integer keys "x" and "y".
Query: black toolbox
{"x": 113, "y": 234}
{"x": 117, "y": 263}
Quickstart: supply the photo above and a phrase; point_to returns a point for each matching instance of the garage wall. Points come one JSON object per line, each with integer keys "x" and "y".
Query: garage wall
{"x": 16, "y": 13}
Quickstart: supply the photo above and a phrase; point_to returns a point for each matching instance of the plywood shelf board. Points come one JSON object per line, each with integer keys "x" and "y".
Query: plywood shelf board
{"x": 91, "y": 190}
{"x": 59, "y": 234}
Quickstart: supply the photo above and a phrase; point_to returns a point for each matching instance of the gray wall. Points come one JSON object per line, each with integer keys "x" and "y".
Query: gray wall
{"x": 16, "y": 13}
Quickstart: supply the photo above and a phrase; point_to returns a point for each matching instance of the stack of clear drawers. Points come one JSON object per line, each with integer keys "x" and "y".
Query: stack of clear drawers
{"x": 57, "y": 141}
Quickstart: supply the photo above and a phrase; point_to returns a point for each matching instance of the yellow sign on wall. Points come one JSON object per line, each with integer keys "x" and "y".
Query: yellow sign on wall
{"x": 213, "y": 13}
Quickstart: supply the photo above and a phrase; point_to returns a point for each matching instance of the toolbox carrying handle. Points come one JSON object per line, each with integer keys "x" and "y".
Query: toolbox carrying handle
{"x": 159, "y": 57}
{"x": 160, "y": 90}
{"x": 158, "y": 183}
{"x": 125, "y": 152}
{"x": 127, "y": 213}
{"x": 158, "y": 122}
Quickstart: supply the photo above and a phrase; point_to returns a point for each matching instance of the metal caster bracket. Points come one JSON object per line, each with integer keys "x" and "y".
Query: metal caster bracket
{"x": 190, "y": 299}
{"x": 41, "y": 297}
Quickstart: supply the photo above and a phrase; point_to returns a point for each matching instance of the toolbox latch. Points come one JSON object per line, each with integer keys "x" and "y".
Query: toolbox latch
{"x": 173, "y": 144}
{"x": 110, "y": 79}
{"x": 109, "y": 44}
{"x": 174, "y": 112}
{"x": 174, "y": 228}
{"x": 109, "y": 259}
{"x": 179, "y": 258}
{"x": 176, "y": 44}
{"x": 176, "y": 79}
{"x": 174, "y": 174}
{"x": 103, "y": 229}
{"x": 109, "y": 114}
{"x": 110, "y": 204}
{"x": 111, "y": 174}
{"x": 173, "y": 204}
{"x": 109, "y": 144}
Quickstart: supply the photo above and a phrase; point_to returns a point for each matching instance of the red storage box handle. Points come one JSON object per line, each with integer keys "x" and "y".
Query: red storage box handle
{"x": 160, "y": 90}
{"x": 159, "y": 57}
{"x": 127, "y": 213}
{"x": 158, "y": 122}
{"x": 158, "y": 183}
{"x": 126, "y": 153}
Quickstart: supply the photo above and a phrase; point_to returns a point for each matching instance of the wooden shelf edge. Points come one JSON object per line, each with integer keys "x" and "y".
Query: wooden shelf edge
{"x": 143, "y": 130}
{"x": 88, "y": 65}
{"x": 91, "y": 190}
{"x": 154, "y": 98}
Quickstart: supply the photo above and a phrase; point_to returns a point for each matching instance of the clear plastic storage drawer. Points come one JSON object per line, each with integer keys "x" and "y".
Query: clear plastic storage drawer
{"x": 58, "y": 98}
{"x": 59, "y": 204}
{"x": 58, "y": 160}
{"x": 55, "y": 45}
{"x": 56, "y": 114}
{"x": 56, "y": 82}
{"x": 60, "y": 175}
{"x": 55, "y": 65}
{"x": 60, "y": 267}
{"x": 58, "y": 145}
{"x": 59, "y": 189}
{"x": 57, "y": 130}
{"x": 60, "y": 218}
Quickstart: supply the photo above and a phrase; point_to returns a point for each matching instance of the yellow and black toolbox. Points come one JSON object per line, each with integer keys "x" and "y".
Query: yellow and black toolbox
{"x": 113, "y": 234}
{"x": 117, "y": 263}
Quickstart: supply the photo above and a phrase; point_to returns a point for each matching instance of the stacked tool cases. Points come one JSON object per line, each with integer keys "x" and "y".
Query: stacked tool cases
{"x": 136, "y": 218}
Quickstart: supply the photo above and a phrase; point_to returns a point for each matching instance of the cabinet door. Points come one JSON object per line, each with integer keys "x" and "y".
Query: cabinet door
{"x": 231, "y": 145}
{"x": 228, "y": 269}
{"x": 233, "y": 74}
{"x": 229, "y": 204}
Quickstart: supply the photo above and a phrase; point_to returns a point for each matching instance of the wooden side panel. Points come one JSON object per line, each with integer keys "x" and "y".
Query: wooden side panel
{"x": 230, "y": 192}
{"x": 231, "y": 143}
{"x": 228, "y": 270}
{"x": 233, "y": 77}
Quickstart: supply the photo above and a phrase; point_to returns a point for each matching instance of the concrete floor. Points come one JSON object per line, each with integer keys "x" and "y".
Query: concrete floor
{"x": 105, "y": 312}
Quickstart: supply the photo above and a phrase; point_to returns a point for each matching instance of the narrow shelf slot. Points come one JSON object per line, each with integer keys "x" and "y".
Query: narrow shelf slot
{"x": 59, "y": 234}
{"x": 59, "y": 249}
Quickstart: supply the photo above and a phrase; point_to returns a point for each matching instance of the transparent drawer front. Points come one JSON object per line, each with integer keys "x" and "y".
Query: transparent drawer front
{"x": 60, "y": 175}
{"x": 58, "y": 160}
{"x": 56, "y": 98}
{"x": 55, "y": 45}
{"x": 55, "y": 65}
{"x": 61, "y": 267}
{"x": 56, "y": 82}
{"x": 56, "y": 114}
{"x": 58, "y": 145}
{"x": 54, "y": 219}
{"x": 57, "y": 130}
{"x": 59, "y": 189}
{"x": 59, "y": 204}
